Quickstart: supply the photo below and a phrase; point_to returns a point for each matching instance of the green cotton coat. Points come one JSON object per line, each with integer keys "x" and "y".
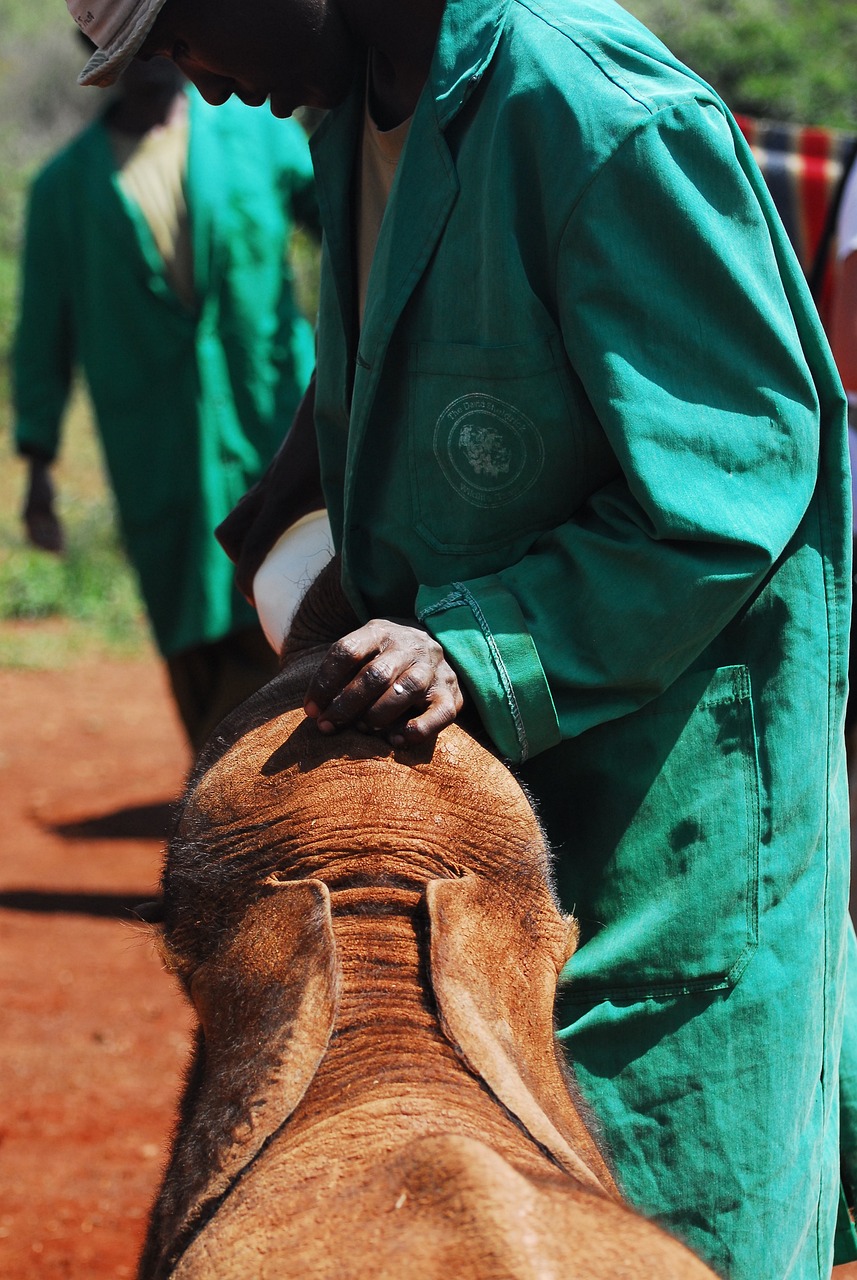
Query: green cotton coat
{"x": 190, "y": 405}
{"x": 592, "y": 436}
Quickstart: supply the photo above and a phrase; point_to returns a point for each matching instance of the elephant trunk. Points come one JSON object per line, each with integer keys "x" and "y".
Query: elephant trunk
{"x": 390, "y": 1043}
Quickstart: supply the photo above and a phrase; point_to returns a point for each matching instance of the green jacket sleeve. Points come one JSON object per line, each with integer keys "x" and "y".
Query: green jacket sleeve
{"x": 43, "y": 350}
{"x": 675, "y": 317}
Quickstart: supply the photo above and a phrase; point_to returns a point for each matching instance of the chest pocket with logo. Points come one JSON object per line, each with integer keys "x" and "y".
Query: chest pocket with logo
{"x": 493, "y": 446}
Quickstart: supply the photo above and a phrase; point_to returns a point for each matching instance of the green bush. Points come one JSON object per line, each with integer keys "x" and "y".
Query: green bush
{"x": 784, "y": 59}
{"x": 89, "y": 583}
{"x": 86, "y": 601}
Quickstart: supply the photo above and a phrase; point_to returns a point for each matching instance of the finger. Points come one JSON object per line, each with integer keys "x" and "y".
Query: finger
{"x": 378, "y": 680}
{"x": 341, "y": 663}
{"x": 409, "y": 690}
{"x": 443, "y": 705}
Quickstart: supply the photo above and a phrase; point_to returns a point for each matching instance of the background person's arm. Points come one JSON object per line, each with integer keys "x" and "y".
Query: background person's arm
{"x": 41, "y": 521}
{"x": 42, "y": 357}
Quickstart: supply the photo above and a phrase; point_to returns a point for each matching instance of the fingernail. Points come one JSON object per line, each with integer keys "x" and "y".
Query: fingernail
{"x": 326, "y": 726}
{"x": 311, "y": 710}
{"x": 397, "y": 740}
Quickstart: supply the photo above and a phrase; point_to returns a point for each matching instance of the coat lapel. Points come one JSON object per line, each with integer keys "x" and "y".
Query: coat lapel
{"x": 334, "y": 152}
{"x": 422, "y": 198}
{"x": 421, "y": 201}
{"x": 423, "y": 195}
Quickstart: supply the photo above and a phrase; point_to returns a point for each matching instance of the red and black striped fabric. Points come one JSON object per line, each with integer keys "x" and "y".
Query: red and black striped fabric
{"x": 802, "y": 166}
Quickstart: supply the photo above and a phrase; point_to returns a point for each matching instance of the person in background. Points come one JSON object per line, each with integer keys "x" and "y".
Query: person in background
{"x": 156, "y": 263}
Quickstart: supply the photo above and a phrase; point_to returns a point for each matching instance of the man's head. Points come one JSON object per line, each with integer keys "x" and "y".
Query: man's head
{"x": 293, "y": 52}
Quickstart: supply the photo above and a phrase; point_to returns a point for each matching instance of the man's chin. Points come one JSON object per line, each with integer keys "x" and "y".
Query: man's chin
{"x": 284, "y": 103}
{"x": 281, "y": 107}
{"x": 253, "y": 99}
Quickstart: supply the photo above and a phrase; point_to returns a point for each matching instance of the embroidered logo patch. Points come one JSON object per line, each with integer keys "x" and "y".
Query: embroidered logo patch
{"x": 488, "y": 450}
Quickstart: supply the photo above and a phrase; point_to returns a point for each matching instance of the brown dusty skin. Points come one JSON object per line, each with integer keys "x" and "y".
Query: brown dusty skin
{"x": 94, "y": 1035}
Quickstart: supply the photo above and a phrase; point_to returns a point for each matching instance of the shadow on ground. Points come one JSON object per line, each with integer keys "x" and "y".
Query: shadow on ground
{"x": 120, "y": 906}
{"x": 134, "y": 822}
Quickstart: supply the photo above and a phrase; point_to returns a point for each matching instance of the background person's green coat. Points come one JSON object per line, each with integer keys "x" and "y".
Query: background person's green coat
{"x": 592, "y": 435}
{"x": 190, "y": 405}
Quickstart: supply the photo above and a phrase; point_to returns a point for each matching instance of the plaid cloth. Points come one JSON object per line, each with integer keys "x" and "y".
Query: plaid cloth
{"x": 803, "y": 167}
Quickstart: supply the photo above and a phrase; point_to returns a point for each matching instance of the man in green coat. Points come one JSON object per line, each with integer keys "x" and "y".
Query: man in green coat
{"x": 576, "y": 419}
{"x": 156, "y": 262}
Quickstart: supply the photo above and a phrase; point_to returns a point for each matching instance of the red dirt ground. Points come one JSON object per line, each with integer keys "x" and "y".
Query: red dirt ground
{"x": 94, "y": 1034}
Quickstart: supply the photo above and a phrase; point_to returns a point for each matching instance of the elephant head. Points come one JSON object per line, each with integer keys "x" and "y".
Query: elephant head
{"x": 283, "y": 837}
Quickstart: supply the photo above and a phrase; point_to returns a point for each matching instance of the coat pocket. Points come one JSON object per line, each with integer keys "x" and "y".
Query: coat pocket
{"x": 662, "y": 861}
{"x": 492, "y": 448}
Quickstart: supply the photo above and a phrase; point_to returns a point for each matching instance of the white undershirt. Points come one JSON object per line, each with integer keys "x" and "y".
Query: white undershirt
{"x": 380, "y": 152}
{"x": 846, "y": 225}
{"x": 300, "y": 553}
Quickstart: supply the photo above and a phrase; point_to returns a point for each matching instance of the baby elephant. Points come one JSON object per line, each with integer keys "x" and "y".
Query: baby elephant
{"x": 371, "y": 944}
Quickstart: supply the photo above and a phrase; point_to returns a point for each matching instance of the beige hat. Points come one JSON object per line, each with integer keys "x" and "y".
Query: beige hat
{"x": 119, "y": 28}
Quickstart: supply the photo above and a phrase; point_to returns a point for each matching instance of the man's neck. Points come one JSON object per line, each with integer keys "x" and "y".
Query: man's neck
{"x": 137, "y": 114}
{"x": 402, "y": 39}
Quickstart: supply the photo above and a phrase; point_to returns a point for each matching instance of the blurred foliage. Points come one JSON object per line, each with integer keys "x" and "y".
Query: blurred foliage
{"x": 784, "y": 59}
{"x": 82, "y": 584}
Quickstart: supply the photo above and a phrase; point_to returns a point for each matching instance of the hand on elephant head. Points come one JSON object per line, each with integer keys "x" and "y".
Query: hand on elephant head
{"x": 389, "y": 677}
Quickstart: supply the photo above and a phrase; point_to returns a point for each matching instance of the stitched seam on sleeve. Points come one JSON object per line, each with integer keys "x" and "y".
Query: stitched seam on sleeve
{"x": 460, "y": 595}
{"x": 449, "y": 601}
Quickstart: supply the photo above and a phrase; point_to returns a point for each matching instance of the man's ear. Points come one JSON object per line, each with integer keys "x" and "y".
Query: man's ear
{"x": 267, "y": 1003}
{"x": 494, "y": 958}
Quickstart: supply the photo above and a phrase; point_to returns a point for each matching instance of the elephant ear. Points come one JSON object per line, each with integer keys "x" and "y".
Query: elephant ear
{"x": 494, "y": 963}
{"x": 267, "y": 1003}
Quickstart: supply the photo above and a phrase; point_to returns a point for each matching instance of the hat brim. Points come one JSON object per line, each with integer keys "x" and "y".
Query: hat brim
{"x": 106, "y": 65}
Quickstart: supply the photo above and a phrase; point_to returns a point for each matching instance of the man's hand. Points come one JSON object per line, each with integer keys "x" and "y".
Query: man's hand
{"x": 387, "y": 677}
{"x": 40, "y": 520}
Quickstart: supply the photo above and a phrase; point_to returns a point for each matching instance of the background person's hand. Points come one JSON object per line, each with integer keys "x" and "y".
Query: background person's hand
{"x": 386, "y": 677}
{"x": 41, "y": 522}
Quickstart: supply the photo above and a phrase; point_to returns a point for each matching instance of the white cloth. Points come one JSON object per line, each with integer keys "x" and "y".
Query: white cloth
{"x": 295, "y": 560}
{"x": 846, "y": 223}
{"x": 380, "y": 152}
